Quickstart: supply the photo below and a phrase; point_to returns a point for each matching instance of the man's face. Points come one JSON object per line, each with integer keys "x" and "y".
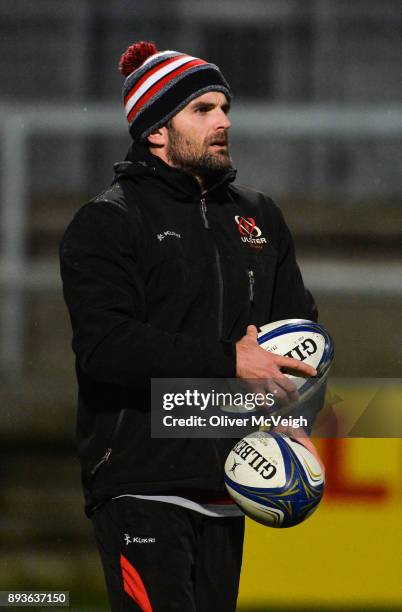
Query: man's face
{"x": 198, "y": 136}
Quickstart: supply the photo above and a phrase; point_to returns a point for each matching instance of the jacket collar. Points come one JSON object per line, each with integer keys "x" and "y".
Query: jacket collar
{"x": 139, "y": 162}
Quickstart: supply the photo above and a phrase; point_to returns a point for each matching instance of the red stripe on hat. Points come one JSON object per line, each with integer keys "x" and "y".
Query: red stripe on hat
{"x": 150, "y": 73}
{"x": 133, "y": 585}
{"x": 159, "y": 85}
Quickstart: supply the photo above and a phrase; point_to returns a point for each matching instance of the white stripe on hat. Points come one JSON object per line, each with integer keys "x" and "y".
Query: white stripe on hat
{"x": 159, "y": 54}
{"x": 159, "y": 74}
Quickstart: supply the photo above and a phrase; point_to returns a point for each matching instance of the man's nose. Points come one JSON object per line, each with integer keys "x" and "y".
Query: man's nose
{"x": 224, "y": 121}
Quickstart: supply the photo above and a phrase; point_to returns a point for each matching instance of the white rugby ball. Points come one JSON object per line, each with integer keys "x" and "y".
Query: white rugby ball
{"x": 304, "y": 340}
{"x": 274, "y": 479}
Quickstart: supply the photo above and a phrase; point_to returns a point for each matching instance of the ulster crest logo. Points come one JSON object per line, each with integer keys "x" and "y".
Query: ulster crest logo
{"x": 250, "y": 232}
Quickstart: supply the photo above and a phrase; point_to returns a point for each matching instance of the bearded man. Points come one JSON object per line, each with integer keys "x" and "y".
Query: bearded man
{"x": 168, "y": 273}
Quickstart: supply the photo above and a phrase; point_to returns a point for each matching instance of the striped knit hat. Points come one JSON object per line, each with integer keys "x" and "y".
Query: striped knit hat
{"x": 159, "y": 84}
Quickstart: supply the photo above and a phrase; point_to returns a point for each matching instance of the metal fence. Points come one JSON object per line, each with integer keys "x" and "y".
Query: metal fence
{"x": 20, "y": 124}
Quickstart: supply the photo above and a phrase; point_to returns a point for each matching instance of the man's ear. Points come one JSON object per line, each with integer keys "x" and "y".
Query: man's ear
{"x": 158, "y": 138}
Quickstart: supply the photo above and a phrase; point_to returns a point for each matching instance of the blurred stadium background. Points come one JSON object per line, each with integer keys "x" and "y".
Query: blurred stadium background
{"x": 317, "y": 124}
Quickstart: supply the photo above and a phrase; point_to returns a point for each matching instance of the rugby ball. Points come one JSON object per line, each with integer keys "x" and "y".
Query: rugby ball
{"x": 304, "y": 340}
{"x": 274, "y": 479}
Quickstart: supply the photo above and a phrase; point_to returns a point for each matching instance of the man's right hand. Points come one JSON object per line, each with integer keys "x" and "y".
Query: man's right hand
{"x": 252, "y": 361}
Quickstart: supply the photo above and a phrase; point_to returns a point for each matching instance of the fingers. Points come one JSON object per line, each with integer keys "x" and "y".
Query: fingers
{"x": 301, "y": 436}
{"x": 284, "y": 390}
{"x": 257, "y": 386}
{"x": 288, "y": 386}
{"x": 280, "y": 394}
{"x": 296, "y": 365}
{"x": 252, "y": 332}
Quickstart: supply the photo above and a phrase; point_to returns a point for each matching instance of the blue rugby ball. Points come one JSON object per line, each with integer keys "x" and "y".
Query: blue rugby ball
{"x": 274, "y": 479}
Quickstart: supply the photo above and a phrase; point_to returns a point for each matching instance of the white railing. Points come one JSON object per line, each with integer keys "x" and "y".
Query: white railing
{"x": 19, "y": 123}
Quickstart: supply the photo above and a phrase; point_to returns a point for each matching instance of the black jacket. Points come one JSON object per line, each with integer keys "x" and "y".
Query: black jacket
{"x": 161, "y": 282}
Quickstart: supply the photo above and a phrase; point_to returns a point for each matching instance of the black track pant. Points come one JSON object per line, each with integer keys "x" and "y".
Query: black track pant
{"x": 158, "y": 557}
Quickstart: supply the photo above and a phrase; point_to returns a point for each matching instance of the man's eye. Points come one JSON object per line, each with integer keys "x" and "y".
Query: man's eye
{"x": 202, "y": 109}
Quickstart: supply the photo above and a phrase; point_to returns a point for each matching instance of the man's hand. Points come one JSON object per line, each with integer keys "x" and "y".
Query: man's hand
{"x": 252, "y": 361}
{"x": 301, "y": 436}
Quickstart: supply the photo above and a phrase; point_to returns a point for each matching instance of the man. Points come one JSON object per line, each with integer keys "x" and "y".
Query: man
{"x": 168, "y": 273}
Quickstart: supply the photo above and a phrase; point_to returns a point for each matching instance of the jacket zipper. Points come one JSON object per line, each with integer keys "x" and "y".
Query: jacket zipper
{"x": 102, "y": 461}
{"x": 109, "y": 450}
{"x": 218, "y": 268}
{"x": 251, "y": 281}
{"x": 204, "y": 213}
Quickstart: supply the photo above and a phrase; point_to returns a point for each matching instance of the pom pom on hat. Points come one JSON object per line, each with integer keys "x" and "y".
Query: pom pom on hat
{"x": 135, "y": 56}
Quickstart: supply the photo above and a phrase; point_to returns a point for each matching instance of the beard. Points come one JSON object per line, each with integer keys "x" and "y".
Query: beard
{"x": 195, "y": 158}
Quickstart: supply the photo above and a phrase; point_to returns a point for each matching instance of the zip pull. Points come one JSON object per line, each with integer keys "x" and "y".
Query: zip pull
{"x": 204, "y": 212}
{"x": 101, "y": 462}
{"x": 251, "y": 281}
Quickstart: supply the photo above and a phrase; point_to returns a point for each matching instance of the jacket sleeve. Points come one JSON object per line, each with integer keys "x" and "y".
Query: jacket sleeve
{"x": 105, "y": 295}
{"x": 290, "y": 298}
